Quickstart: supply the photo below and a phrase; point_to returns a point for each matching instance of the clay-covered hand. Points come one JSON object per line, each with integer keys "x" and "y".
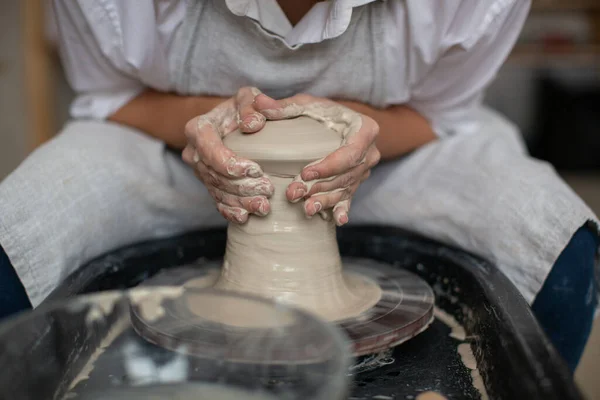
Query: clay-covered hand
{"x": 238, "y": 185}
{"x": 332, "y": 181}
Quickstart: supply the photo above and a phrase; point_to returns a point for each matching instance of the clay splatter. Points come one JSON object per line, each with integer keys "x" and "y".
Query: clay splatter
{"x": 431, "y": 396}
{"x": 468, "y": 359}
{"x": 458, "y": 332}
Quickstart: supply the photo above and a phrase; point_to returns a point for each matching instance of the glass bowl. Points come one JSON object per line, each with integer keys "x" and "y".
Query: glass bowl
{"x": 171, "y": 343}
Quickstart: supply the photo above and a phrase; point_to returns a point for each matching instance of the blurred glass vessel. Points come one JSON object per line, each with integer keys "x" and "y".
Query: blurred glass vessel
{"x": 132, "y": 345}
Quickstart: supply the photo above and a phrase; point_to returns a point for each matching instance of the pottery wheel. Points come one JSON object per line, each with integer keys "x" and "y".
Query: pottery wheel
{"x": 404, "y": 310}
{"x": 294, "y": 260}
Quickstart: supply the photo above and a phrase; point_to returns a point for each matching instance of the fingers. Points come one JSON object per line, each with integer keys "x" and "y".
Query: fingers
{"x": 206, "y": 145}
{"x": 299, "y": 189}
{"x": 205, "y": 132}
{"x": 338, "y": 162}
{"x": 258, "y": 205}
{"x": 189, "y": 155}
{"x": 296, "y": 191}
{"x": 365, "y": 176}
{"x": 324, "y": 201}
{"x": 281, "y": 109}
{"x": 250, "y": 119}
{"x": 358, "y": 132}
{"x": 233, "y": 214}
{"x": 342, "y": 181}
{"x": 359, "y": 148}
{"x": 238, "y": 185}
{"x": 335, "y": 193}
{"x": 236, "y": 209}
{"x": 340, "y": 212}
{"x": 336, "y": 117}
{"x": 243, "y": 187}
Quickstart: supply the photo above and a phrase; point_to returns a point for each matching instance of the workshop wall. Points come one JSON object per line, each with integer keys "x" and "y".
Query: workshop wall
{"x": 13, "y": 122}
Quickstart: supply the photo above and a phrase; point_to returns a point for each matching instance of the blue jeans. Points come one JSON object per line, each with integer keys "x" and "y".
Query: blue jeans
{"x": 12, "y": 293}
{"x": 564, "y": 307}
{"x": 566, "y": 304}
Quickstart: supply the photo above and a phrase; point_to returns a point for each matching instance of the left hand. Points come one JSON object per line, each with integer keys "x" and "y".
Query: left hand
{"x": 332, "y": 181}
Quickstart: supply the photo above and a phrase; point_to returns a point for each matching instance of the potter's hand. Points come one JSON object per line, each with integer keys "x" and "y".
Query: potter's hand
{"x": 332, "y": 181}
{"x": 238, "y": 185}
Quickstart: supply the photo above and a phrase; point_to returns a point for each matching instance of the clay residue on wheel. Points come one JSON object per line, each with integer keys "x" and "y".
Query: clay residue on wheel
{"x": 464, "y": 350}
{"x": 431, "y": 396}
{"x": 150, "y": 301}
{"x": 468, "y": 358}
{"x": 457, "y": 330}
{"x": 117, "y": 329}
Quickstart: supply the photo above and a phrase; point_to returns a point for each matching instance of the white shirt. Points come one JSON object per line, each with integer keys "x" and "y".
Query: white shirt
{"x": 445, "y": 51}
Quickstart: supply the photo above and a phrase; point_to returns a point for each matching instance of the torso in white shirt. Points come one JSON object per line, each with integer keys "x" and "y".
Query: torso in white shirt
{"x": 438, "y": 56}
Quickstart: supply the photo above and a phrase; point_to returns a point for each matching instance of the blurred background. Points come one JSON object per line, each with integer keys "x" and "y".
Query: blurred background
{"x": 549, "y": 87}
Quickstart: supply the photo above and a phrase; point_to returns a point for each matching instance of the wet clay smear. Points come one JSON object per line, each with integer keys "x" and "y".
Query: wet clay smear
{"x": 110, "y": 337}
{"x": 457, "y": 331}
{"x": 431, "y": 396}
{"x": 468, "y": 359}
{"x": 467, "y": 356}
{"x": 464, "y": 350}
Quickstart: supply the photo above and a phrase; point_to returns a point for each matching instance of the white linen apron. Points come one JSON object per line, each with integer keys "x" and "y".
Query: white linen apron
{"x": 99, "y": 186}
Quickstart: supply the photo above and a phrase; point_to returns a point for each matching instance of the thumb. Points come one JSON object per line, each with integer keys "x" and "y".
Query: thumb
{"x": 279, "y": 109}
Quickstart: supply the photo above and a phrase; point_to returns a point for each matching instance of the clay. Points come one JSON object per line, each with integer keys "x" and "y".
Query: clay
{"x": 286, "y": 256}
{"x": 478, "y": 384}
{"x": 431, "y": 396}
{"x": 118, "y": 328}
{"x": 457, "y": 331}
{"x": 464, "y": 350}
{"x": 335, "y": 117}
{"x": 150, "y": 302}
{"x": 185, "y": 391}
{"x": 102, "y": 307}
{"x": 283, "y": 148}
{"x": 468, "y": 358}
{"x": 234, "y": 311}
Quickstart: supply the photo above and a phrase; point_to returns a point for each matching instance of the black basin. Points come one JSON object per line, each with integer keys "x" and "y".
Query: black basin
{"x": 514, "y": 356}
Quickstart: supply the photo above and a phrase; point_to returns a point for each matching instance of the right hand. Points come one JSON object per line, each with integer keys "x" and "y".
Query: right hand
{"x": 238, "y": 186}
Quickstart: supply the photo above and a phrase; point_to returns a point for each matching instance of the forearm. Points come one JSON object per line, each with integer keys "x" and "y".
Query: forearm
{"x": 164, "y": 115}
{"x": 401, "y": 129}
